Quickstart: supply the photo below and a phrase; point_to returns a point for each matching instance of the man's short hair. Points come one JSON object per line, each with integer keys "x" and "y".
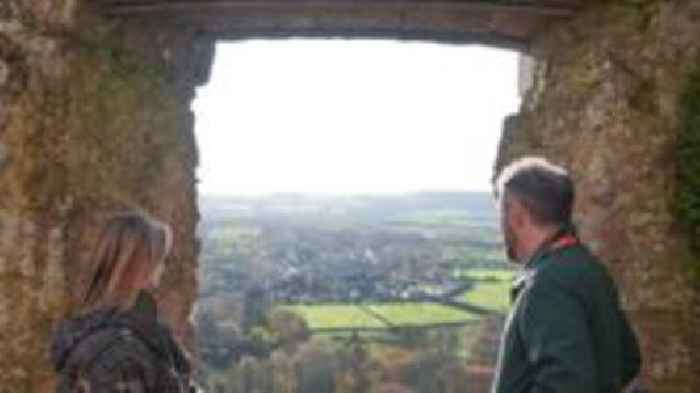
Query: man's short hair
{"x": 546, "y": 190}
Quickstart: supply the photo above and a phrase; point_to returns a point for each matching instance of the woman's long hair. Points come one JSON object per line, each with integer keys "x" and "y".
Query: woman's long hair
{"x": 130, "y": 249}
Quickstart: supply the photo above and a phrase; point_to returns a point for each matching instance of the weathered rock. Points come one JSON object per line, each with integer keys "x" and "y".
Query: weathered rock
{"x": 94, "y": 117}
{"x": 89, "y": 125}
{"x": 606, "y": 107}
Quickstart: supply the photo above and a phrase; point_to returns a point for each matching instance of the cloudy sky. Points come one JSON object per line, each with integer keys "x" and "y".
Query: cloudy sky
{"x": 360, "y": 116}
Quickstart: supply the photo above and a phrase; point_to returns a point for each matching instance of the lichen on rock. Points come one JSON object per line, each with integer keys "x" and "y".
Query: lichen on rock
{"x": 689, "y": 166}
{"x": 87, "y": 127}
{"x": 608, "y": 109}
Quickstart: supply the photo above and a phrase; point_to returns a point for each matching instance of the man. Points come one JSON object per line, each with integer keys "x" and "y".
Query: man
{"x": 566, "y": 332}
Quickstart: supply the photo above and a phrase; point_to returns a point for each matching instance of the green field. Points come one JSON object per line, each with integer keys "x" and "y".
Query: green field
{"x": 491, "y": 295}
{"x": 489, "y": 274}
{"x": 490, "y": 291}
{"x": 373, "y": 315}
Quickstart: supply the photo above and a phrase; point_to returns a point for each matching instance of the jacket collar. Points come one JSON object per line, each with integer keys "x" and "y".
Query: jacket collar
{"x": 145, "y": 307}
{"x": 565, "y": 237}
{"x": 141, "y": 319}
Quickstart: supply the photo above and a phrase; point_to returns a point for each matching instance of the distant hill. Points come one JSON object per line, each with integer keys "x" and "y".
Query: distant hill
{"x": 368, "y": 208}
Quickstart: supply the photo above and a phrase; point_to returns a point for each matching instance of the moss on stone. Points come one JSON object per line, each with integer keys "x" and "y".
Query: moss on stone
{"x": 638, "y": 14}
{"x": 689, "y": 166}
{"x": 584, "y": 72}
{"x": 128, "y": 122}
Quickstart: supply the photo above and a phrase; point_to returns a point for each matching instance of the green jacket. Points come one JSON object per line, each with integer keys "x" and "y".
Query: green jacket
{"x": 566, "y": 332}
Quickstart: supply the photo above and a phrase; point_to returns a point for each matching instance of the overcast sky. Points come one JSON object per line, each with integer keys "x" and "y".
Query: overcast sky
{"x": 361, "y": 116}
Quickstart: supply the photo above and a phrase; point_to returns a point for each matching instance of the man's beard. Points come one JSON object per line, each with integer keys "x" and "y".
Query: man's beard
{"x": 511, "y": 240}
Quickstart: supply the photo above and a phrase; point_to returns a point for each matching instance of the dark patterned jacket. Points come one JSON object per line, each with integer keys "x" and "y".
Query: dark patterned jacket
{"x": 111, "y": 351}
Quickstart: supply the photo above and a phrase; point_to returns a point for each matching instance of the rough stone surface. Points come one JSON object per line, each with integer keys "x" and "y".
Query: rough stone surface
{"x": 604, "y": 102}
{"x": 504, "y": 23}
{"x": 93, "y": 119}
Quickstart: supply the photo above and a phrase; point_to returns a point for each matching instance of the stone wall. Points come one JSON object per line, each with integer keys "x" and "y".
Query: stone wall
{"x": 604, "y": 102}
{"x": 94, "y": 118}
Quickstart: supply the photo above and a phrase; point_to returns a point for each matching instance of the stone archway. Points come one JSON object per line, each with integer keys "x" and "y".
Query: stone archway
{"x": 94, "y": 116}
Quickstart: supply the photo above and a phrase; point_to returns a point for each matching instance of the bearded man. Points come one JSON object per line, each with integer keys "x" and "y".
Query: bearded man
{"x": 566, "y": 332}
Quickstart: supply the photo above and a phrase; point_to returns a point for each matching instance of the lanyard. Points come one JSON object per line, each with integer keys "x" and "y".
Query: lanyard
{"x": 563, "y": 238}
{"x": 564, "y": 242}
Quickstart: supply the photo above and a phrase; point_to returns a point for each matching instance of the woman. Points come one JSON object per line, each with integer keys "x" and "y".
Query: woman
{"x": 117, "y": 344}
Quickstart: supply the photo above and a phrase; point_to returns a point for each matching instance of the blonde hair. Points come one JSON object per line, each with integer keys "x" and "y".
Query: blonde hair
{"x": 129, "y": 250}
